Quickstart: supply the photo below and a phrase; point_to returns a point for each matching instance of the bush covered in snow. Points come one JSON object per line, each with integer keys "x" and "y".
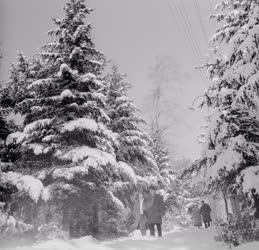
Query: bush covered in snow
{"x": 237, "y": 230}
{"x": 10, "y": 227}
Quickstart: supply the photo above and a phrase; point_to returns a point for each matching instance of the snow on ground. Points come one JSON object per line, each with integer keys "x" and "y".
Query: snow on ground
{"x": 178, "y": 239}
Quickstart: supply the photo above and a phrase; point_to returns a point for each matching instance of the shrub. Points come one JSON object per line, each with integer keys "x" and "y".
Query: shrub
{"x": 237, "y": 230}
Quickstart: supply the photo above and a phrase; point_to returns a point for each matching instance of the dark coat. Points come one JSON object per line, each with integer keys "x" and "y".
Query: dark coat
{"x": 205, "y": 212}
{"x": 256, "y": 206}
{"x": 156, "y": 210}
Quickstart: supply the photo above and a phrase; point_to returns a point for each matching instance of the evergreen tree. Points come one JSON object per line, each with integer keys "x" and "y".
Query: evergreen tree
{"x": 162, "y": 158}
{"x": 159, "y": 149}
{"x": 133, "y": 143}
{"x": 232, "y": 145}
{"x": 3, "y": 126}
{"x": 136, "y": 164}
{"x": 66, "y": 143}
{"x": 22, "y": 73}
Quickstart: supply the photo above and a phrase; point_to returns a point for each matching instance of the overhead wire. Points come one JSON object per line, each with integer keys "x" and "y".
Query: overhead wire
{"x": 194, "y": 55}
{"x": 185, "y": 38}
{"x": 198, "y": 12}
{"x": 189, "y": 29}
{"x": 211, "y": 5}
{"x": 192, "y": 44}
{"x": 194, "y": 41}
{"x": 186, "y": 31}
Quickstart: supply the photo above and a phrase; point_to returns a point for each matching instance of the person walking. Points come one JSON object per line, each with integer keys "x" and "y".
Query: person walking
{"x": 140, "y": 217}
{"x": 196, "y": 215}
{"x": 154, "y": 211}
{"x": 205, "y": 211}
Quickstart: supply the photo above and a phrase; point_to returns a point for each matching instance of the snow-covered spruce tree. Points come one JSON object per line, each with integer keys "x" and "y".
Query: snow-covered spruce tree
{"x": 22, "y": 73}
{"x": 133, "y": 153}
{"x": 65, "y": 140}
{"x": 162, "y": 157}
{"x": 233, "y": 98}
{"x": 159, "y": 149}
{"x": 170, "y": 183}
{"x": 133, "y": 143}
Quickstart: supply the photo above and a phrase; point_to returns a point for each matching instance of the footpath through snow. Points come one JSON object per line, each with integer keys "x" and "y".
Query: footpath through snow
{"x": 178, "y": 239}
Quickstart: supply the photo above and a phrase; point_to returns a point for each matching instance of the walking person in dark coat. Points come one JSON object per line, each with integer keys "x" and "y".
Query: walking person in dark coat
{"x": 154, "y": 211}
{"x": 205, "y": 211}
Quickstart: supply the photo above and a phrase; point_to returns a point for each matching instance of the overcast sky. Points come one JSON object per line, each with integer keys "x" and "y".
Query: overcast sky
{"x": 132, "y": 33}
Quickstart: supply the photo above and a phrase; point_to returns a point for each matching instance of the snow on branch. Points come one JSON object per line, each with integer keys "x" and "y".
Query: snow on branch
{"x": 90, "y": 156}
{"x": 88, "y": 124}
{"x": 126, "y": 171}
{"x": 117, "y": 202}
{"x": 16, "y": 137}
{"x": 250, "y": 178}
{"x": 25, "y": 183}
{"x": 69, "y": 173}
{"x": 81, "y": 123}
{"x": 36, "y": 125}
{"x": 40, "y": 83}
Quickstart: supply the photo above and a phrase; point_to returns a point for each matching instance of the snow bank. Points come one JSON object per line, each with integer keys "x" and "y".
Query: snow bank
{"x": 86, "y": 243}
{"x": 178, "y": 239}
{"x": 249, "y": 246}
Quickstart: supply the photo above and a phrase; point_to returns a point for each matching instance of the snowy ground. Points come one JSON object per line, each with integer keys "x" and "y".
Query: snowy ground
{"x": 178, "y": 239}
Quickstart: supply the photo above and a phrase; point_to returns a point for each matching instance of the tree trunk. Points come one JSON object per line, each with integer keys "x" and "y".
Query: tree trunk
{"x": 66, "y": 221}
{"x": 95, "y": 221}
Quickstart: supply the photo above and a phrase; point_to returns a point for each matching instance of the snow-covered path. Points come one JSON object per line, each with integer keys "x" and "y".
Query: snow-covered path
{"x": 178, "y": 239}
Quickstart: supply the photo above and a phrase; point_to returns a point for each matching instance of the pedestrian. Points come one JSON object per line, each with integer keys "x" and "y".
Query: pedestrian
{"x": 196, "y": 215}
{"x": 140, "y": 217}
{"x": 205, "y": 211}
{"x": 154, "y": 211}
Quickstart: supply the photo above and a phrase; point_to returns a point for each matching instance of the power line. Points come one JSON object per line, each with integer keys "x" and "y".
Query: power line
{"x": 195, "y": 43}
{"x": 191, "y": 38}
{"x": 197, "y": 8}
{"x": 187, "y": 36}
{"x": 211, "y": 5}
{"x": 186, "y": 30}
{"x": 175, "y": 19}
{"x": 189, "y": 28}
